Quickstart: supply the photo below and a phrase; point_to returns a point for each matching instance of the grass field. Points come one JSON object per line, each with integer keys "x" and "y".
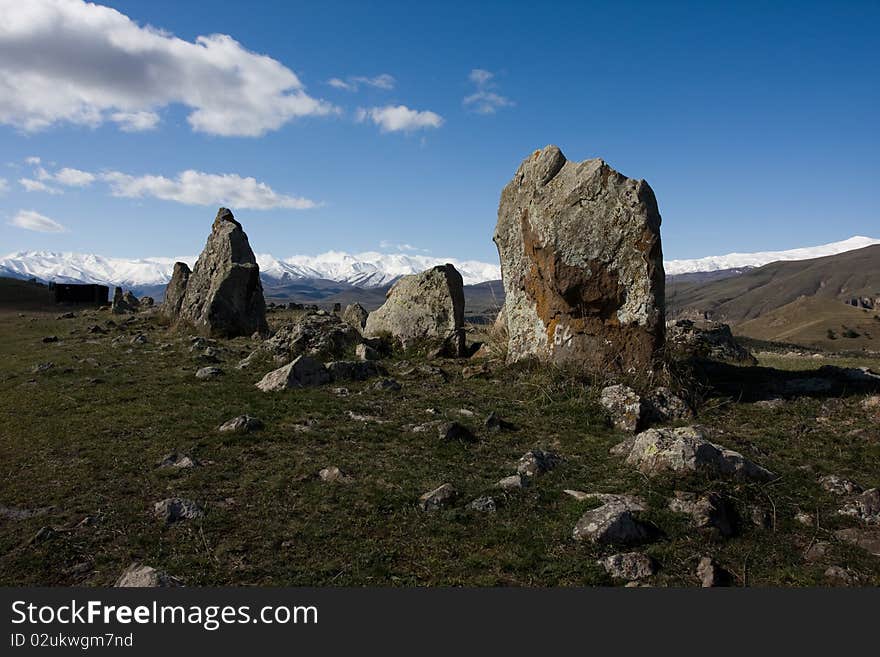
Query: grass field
{"x": 80, "y": 443}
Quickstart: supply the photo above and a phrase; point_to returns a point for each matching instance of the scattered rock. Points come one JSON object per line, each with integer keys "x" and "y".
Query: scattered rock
{"x": 710, "y": 512}
{"x": 628, "y": 411}
{"x": 333, "y": 474}
{"x": 137, "y": 576}
{"x": 665, "y": 406}
{"x": 175, "y": 509}
{"x": 484, "y": 504}
{"x": 303, "y": 371}
{"x": 817, "y": 551}
{"x": 49, "y": 338}
{"x": 387, "y": 385}
{"x": 536, "y": 462}
{"x": 629, "y": 565}
{"x": 867, "y": 538}
{"x": 475, "y": 371}
{"x": 123, "y": 302}
{"x": 582, "y": 266}
{"x": 353, "y": 370}
{"x": 711, "y": 574}
{"x": 839, "y": 485}
{"x": 223, "y": 294}
{"x": 355, "y": 315}
{"x": 705, "y": 340}
{"x": 241, "y": 424}
{"x": 513, "y": 482}
{"x": 43, "y": 534}
{"x": 423, "y": 308}
{"x": 453, "y": 431}
{"x": 39, "y": 368}
{"x": 495, "y": 423}
{"x": 320, "y": 336}
{"x": 177, "y": 461}
{"x": 804, "y": 518}
{"x": 209, "y": 373}
{"x": 147, "y": 302}
{"x": 140, "y": 338}
{"x": 864, "y": 507}
{"x": 366, "y": 352}
{"x": 840, "y": 576}
{"x": 685, "y": 449}
{"x": 614, "y": 522}
{"x": 438, "y": 498}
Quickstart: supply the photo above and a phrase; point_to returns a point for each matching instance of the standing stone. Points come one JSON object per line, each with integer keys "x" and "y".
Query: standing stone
{"x": 355, "y": 315}
{"x": 582, "y": 265}
{"x": 123, "y": 302}
{"x": 176, "y": 290}
{"x": 224, "y": 296}
{"x": 425, "y": 307}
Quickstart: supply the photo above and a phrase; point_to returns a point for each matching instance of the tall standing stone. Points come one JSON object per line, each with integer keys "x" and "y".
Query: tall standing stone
{"x": 424, "y": 307}
{"x": 582, "y": 265}
{"x": 176, "y": 289}
{"x": 224, "y": 296}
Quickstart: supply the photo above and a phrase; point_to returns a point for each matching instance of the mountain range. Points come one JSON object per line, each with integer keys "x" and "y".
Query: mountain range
{"x": 340, "y": 276}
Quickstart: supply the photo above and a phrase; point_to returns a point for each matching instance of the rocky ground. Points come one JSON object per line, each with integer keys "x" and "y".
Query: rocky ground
{"x": 428, "y": 472}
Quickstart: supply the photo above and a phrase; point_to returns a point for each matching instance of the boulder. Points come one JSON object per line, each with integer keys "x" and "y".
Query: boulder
{"x": 176, "y": 290}
{"x": 614, "y": 522}
{"x": 710, "y": 512}
{"x": 366, "y": 352}
{"x": 224, "y": 296}
{"x": 355, "y": 315}
{"x": 582, "y": 265}
{"x": 839, "y": 485}
{"x": 705, "y": 340}
{"x": 206, "y": 373}
{"x": 484, "y": 503}
{"x": 686, "y": 450}
{"x": 629, "y": 565}
{"x": 536, "y": 462}
{"x": 627, "y": 409}
{"x": 453, "y": 431}
{"x": 320, "y": 336}
{"x": 864, "y": 507}
{"x": 123, "y": 302}
{"x": 438, "y": 498}
{"x": 301, "y": 372}
{"x": 141, "y": 576}
{"x": 352, "y": 370}
{"x": 423, "y": 308}
{"x": 175, "y": 509}
{"x": 711, "y": 574}
{"x": 241, "y": 424}
{"x": 333, "y": 475}
{"x": 513, "y": 482}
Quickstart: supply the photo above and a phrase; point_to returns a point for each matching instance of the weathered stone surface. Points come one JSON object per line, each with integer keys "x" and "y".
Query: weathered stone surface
{"x": 665, "y": 406}
{"x": 864, "y": 507}
{"x": 627, "y": 410}
{"x": 352, "y": 370}
{"x": 138, "y": 575}
{"x": 207, "y": 373}
{"x": 536, "y": 462}
{"x": 710, "y": 512}
{"x": 320, "y": 336}
{"x": 366, "y": 352}
{"x": 582, "y": 265}
{"x": 176, "y": 461}
{"x": 495, "y": 423}
{"x": 705, "y": 340}
{"x": 438, "y": 498}
{"x": 241, "y": 424}
{"x": 453, "y": 431}
{"x": 867, "y": 538}
{"x": 629, "y": 565}
{"x": 712, "y": 574}
{"x": 839, "y": 485}
{"x": 484, "y": 503}
{"x": 123, "y": 302}
{"x": 175, "y": 509}
{"x": 175, "y": 291}
{"x": 513, "y": 482}
{"x": 423, "y": 308}
{"x": 613, "y": 522}
{"x": 686, "y": 449}
{"x": 224, "y": 296}
{"x": 355, "y": 315}
{"x": 303, "y": 371}
{"x": 333, "y": 474}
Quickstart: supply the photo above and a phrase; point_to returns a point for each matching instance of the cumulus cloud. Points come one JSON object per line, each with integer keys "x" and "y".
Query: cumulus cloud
{"x": 353, "y": 83}
{"x": 4, "y": 186}
{"x": 68, "y": 61}
{"x": 484, "y": 100}
{"x": 74, "y": 177}
{"x": 33, "y": 185}
{"x": 198, "y": 188}
{"x": 388, "y": 244}
{"x": 33, "y": 159}
{"x": 30, "y": 220}
{"x": 399, "y": 118}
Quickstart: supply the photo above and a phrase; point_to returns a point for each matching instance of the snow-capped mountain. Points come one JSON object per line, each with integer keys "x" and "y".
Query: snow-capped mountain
{"x": 361, "y": 270}
{"x": 364, "y": 270}
{"x": 744, "y": 260}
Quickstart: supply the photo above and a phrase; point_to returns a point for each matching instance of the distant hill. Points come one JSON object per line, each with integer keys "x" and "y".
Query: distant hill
{"x": 758, "y": 291}
{"x": 817, "y": 322}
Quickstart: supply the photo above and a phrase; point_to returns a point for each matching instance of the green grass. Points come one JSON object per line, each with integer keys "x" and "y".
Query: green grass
{"x": 91, "y": 449}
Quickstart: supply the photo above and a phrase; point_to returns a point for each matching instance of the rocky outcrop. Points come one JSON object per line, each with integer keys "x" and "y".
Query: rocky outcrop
{"x": 224, "y": 296}
{"x": 355, "y": 315}
{"x": 303, "y": 371}
{"x": 582, "y": 265}
{"x": 176, "y": 290}
{"x": 423, "y": 308}
{"x": 705, "y": 340}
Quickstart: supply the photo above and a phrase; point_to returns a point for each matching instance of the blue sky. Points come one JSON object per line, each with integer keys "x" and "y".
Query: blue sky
{"x": 756, "y": 124}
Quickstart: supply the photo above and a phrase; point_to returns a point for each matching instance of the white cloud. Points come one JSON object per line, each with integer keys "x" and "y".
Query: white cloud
{"x": 30, "y": 220}
{"x": 399, "y": 118}
{"x": 32, "y": 185}
{"x": 484, "y": 100}
{"x": 74, "y": 177}
{"x": 75, "y": 62}
{"x": 353, "y": 83}
{"x": 135, "y": 121}
{"x": 198, "y": 188}
{"x": 388, "y": 244}
{"x": 33, "y": 159}
{"x": 4, "y": 186}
